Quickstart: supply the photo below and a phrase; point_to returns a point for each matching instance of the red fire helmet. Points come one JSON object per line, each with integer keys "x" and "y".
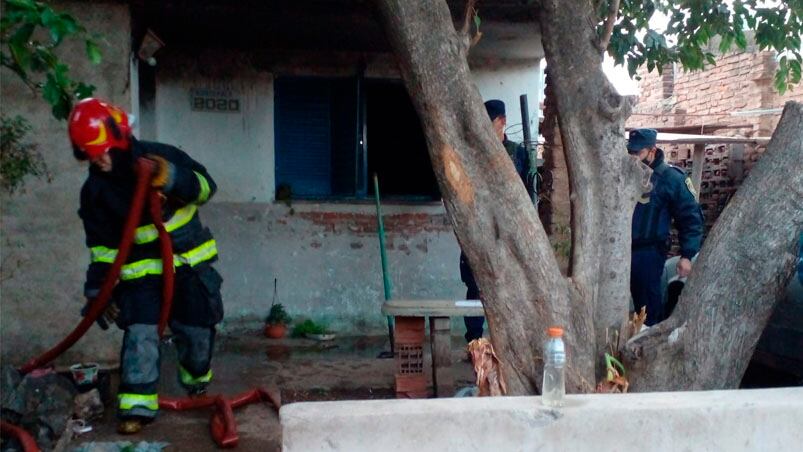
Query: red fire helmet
{"x": 96, "y": 126}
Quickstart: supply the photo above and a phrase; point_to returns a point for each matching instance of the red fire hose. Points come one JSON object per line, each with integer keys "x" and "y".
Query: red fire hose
{"x": 166, "y": 250}
{"x": 25, "y": 439}
{"x": 223, "y": 425}
{"x": 144, "y": 170}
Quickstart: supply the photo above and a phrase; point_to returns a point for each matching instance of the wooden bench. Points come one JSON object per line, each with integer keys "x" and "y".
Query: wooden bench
{"x": 411, "y": 314}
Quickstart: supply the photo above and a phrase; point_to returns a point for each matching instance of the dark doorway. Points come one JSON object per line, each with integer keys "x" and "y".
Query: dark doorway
{"x": 396, "y": 147}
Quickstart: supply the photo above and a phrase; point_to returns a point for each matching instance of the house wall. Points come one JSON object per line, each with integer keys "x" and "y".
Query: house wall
{"x": 324, "y": 256}
{"x": 236, "y": 148}
{"x": 43, "y": 254}
{"x": 507, "y": 83}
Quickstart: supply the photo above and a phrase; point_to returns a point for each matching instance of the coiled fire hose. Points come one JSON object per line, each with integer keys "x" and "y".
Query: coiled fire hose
{"x": 223, "y": 426}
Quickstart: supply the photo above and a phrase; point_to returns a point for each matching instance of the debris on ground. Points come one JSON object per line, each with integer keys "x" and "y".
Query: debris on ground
{"x": 121, "y": 446}
{"x": 468, "y": 391}
{"x": 636, "y": 323}
{"x": 487, "y": 367}
{"x": 615, "y": 381}
{"x": 88, "y": 406}
{"x": 41, "y": 403}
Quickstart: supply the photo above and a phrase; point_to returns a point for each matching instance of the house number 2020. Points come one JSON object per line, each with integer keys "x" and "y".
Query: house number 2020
{"x": 215, "y": 104}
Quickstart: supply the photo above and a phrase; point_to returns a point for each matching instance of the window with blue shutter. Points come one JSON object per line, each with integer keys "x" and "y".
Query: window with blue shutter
{"x": 333, "y": 134}
{"x": 303, "y": 136}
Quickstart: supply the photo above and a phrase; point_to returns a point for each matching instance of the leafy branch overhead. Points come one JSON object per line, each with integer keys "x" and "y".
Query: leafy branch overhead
{"x": 30, "y": 33}
{"x": 18, "y": 156}
{"x": 693, "y": 30}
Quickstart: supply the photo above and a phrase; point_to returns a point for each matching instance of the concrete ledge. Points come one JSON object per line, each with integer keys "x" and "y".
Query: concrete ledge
{"x": 766, "y": 419}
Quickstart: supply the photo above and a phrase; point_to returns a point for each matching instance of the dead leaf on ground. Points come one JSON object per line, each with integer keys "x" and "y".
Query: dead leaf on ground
{"x": 490, "y": 381}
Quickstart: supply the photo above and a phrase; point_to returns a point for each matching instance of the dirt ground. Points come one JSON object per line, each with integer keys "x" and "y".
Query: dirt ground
{"x": 303, "y": 370}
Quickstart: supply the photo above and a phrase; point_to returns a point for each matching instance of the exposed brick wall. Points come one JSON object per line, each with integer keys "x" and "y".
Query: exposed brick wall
{"x": 739, "y": 81}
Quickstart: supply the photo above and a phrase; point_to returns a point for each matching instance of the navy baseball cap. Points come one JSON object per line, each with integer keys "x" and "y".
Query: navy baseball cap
{"x": 495, "y": 108}
{"x": 640, "y": 139}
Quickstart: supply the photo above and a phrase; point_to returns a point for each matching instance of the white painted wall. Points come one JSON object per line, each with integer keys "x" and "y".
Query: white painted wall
{"x": 742, "y": 420}
{"x": 237, "y": 148}
{"x": 507, "y": 83}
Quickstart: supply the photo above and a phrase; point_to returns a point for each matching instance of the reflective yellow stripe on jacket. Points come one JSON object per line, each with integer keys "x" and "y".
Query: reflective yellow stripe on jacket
{"x": 203, "y": 196}
{"x": 145, "y": 267}
{"x": 182, "y": 216}
{"x": 192, "y": 258}
{"x": 102, "y": 254}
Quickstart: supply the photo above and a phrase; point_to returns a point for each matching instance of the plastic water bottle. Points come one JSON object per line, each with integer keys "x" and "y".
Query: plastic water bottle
{"x": 554, "y": 387}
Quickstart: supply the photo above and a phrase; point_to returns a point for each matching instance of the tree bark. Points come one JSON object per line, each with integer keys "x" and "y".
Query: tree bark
{"x": 742, "y": 271}
{"x": 605, "y": 181}
{"x": 496, "y": 224}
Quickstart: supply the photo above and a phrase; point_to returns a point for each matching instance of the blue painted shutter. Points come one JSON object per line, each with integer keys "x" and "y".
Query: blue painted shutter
{"x": 303, "y": 136}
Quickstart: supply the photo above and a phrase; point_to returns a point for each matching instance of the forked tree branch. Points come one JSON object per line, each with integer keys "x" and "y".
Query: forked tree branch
{"x": 605, "y": 39}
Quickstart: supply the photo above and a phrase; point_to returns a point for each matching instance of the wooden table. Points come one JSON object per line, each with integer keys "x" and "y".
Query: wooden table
{"x": 439, "y": 313}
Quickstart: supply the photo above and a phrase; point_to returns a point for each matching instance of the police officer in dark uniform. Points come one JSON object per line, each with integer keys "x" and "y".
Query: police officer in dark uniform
{"x": 672, "y": 199}
{"x": 521, "y": 161}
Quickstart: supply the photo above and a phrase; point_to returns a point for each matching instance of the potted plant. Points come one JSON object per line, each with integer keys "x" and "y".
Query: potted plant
{"x": 276, "y": 322}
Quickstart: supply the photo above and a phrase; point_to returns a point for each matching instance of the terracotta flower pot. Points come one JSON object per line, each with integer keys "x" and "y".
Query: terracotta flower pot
{"x": 275, "y": 331}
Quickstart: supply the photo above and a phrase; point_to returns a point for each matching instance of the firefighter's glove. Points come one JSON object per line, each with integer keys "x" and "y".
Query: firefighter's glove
{"x": 108, "y": 317}
{"x": 163, "y": 174}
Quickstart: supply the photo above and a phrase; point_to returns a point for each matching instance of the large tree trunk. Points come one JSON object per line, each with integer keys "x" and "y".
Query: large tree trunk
{"x": 495, "y": 223}
{"x": 605, "y": 181}
{"x": 522, "y": 289}
{"x": 742, "y": 271}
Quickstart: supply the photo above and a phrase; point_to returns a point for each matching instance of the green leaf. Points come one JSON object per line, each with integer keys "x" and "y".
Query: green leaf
{"x": 648, "y": 41}
{"x": 725, "y": 43}
{"x": 741, "y": 39}
{"x": 780, "y": 82}
{"x": 60, "y": 74}
{"x": 68, "y": 23}
{"x": 477, "y": 21}
{"x": 51, "y": 21}
{"x": 632, "y": 66}
{"x": 82, "y": 90}
{"x": 61, "y": 109}
{"x": 22, "y": 4}
{"x": 93, "y": 52}
{"x": 22, "y": 37}
{"x": 43, "y": 59}
{"x": 49, "y": 18}
{"x": 21, "y": 55}
{"x": 794, "y": 67}
{"x": 52, "y": 91}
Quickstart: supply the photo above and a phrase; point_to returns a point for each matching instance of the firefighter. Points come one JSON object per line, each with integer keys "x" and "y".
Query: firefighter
{"x": 101, "y": 133}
